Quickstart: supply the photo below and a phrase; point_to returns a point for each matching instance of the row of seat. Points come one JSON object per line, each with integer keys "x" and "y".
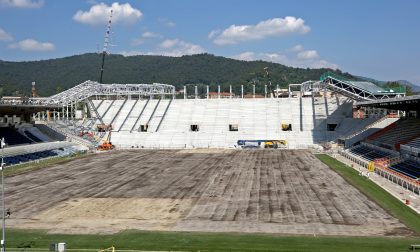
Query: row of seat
{"x": 404, "y": 130}
{"x": 29, "y": 157}
{"x": 414, "y": 143}
{"x": 33, "y": 137}
{"x": 368, "y": 153}
{"x": 13, "y": 137}
{"x": 407, "y": 167}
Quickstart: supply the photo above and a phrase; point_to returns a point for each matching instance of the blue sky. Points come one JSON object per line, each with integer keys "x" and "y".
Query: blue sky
{"x": 378, "y": 39}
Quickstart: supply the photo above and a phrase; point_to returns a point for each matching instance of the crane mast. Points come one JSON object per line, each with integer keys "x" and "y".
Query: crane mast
{"x": 106, "y": 43}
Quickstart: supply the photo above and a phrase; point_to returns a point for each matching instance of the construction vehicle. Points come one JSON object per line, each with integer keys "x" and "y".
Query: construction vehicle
{"x": 275, "y": 144}
{"x": 107, "y": 145}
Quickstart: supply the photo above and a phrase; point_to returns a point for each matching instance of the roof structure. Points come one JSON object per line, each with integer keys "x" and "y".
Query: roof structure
{"x": 359, "y": 90}
{"x": 408, "y": 103}
{"x": 92, "y": 88}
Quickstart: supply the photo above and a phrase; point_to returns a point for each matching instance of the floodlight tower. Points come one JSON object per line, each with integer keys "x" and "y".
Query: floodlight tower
{"x": 106, "y": 43}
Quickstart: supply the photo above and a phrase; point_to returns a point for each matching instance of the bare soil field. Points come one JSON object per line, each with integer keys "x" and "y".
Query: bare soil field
{"x": 268, "y": 191}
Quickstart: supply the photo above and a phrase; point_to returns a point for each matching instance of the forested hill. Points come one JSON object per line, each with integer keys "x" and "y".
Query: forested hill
{"x": 54, "y": 75}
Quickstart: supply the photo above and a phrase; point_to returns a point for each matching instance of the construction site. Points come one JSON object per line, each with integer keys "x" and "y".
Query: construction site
{"x": 254, "y": 191}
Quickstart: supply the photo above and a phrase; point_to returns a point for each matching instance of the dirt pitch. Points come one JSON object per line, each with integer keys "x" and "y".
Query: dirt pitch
{"x": 270, "y": 191}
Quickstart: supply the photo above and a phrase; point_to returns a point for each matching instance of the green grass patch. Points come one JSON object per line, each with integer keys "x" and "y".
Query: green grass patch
{"x": 186, "y": 241}
{"x": 17, "y": 169}
{"x": 388, "y": 202}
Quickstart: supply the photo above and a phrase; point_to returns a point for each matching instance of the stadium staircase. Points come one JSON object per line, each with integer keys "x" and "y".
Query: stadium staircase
{"x": 126, "y": 113}
{"x": 164, "y": 114}
{"x": 143, "y": 108}
{"x": 156, "y": 114}
{"x": 118, "y": 113}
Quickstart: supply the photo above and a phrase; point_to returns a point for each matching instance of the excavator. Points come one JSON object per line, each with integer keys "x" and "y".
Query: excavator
{"x": 107, "y": 145}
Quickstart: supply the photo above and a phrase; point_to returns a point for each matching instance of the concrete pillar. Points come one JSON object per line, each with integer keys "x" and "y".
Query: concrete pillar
{"x": 185, "y": 92}
{"x": 230, "y": 91}
{"x": 218, "y": 91}
{"x": 67, "y": 112}
{"x": 71, "y": 110}
{"x": 242, "y": 91}
{"x": 277, "y": 91}
{"x": 253, "y": 91}
{"x": 207, "y": 91}
{"x": 196, "y": 92}
{"x": 54, "y": 115}
{"x": 265, "y": 91}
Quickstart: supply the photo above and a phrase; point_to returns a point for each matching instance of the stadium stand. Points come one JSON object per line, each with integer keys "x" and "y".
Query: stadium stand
{"x": 368, "y": 153}
{"x": 13, "y": 137}
{"x": 32, "y": 137}
{"x": 400, "y": 132}
{"x": 29, "y": 157}
{"x": 52, "y": 134}
{"x": 407, "y": 167}
{"x": 412, "y": 148}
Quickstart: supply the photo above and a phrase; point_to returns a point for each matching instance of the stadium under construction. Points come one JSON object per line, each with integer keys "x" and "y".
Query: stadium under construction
{"x": 190, "y": 147}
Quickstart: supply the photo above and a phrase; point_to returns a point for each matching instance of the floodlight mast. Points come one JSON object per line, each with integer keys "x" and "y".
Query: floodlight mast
{"x": 106, "y": 43}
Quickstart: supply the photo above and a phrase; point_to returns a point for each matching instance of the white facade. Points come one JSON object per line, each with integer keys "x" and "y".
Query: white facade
{"x": 257, "y": 119}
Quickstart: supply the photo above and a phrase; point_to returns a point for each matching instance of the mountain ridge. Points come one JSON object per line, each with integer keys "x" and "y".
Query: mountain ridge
{"x": 55, "y": 75}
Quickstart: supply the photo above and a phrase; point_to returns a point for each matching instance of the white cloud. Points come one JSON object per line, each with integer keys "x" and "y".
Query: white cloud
{"x": 296, "y": 48}
{"x": 168, "y": 43}
{"x": 150, "y": 35}
{"x": 171, "y": 47}
{"x": 99, "y": 14}
{"x": 28, "y": 4}
{"x": 4, "y": 36}
{"x": 271, "y": 57}
{"x": 309, "y": 58}
{"x": 269, "y": 28}
{"x": 143, "y": 37}
{"x": 32, "y": 45}
{"x": 309, "y": 54}
{"x": 177, "y": 48}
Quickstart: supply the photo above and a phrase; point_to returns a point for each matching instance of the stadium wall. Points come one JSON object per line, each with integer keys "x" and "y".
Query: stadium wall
{"x": 257, "y": 119}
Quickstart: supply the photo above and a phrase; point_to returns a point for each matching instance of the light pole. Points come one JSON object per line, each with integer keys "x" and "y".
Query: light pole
{"x": 3, "y": 243}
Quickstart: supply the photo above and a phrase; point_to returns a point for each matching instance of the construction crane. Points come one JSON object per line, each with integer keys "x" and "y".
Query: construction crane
{"x": 106, "y": 43}
{"x": 107, "y": 145}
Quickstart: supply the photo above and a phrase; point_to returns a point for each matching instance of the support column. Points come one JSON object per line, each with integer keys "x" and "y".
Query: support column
{"x": 207, "y": 90}
{"x": 242, "y": 91}
{"x": 230, "y": 91}
{"x": 253, "y": 91}
{"x": 67, "y": 112}
{"x": 185, "y": 92}
{"x": 71, "y": 110}
{"x": 265, "y": 91}
{"x": 218, "y": 91}
{"x": 196, "y": 92}
{"x": 277, "y": 91}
